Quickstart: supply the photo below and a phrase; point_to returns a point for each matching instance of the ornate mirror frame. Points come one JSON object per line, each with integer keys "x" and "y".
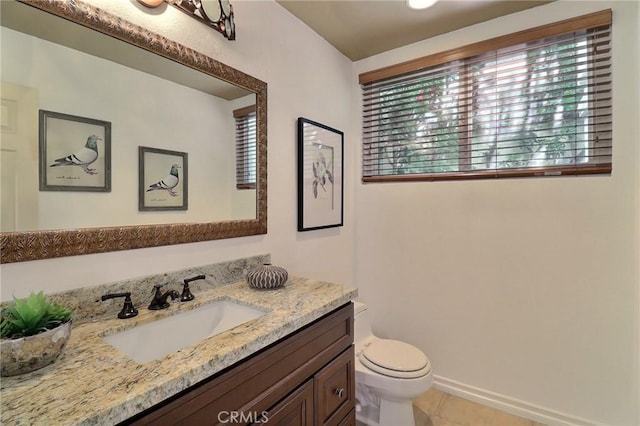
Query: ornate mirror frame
{"x": 34, "y": 245}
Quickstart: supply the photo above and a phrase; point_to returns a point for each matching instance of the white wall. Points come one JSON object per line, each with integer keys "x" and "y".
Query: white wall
{"x": 527, "y": 288}
{"x": 298, "y": 70}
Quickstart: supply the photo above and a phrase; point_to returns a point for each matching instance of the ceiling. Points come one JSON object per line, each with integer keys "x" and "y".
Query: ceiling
{"x": 363, "y": 28}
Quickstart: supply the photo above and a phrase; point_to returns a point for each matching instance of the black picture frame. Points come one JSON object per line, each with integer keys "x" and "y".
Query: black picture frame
{"x": 74, "y": 153}
{"x": 320, "y": 176}
{"x": 158, "y": 170}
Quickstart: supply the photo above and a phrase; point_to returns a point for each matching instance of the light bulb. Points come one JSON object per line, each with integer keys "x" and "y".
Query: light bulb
{"x": 420, "y": 4}
{"x": 151, "y": 3}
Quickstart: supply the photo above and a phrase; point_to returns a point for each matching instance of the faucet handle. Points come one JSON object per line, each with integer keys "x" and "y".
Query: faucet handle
{"x": 186, "y": 292}
{"x": 128, "y": 310}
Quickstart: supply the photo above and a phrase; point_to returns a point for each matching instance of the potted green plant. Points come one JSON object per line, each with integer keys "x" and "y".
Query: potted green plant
{"x": 33, "y": 333}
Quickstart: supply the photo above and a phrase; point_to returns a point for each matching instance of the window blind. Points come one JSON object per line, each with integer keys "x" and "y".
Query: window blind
{"x": 541, "y": 106}
{"x": 245, "y": 147}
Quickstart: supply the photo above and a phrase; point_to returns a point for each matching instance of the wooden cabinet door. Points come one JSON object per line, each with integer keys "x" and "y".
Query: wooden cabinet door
{"x": 294, "y": 410}
{"x": 350, "y": 420}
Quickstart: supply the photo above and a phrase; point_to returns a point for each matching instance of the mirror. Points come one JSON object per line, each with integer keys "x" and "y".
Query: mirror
{"x": 183, "y": 105}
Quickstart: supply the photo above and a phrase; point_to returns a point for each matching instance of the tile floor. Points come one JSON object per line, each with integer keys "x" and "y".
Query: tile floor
{"x": 436, "y": 408}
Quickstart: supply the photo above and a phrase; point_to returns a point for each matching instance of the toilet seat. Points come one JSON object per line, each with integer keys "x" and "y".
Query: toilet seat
{"x": 395, "y": 359}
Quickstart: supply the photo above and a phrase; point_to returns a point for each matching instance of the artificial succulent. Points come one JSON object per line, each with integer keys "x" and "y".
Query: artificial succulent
{"x": 32, "y": 315}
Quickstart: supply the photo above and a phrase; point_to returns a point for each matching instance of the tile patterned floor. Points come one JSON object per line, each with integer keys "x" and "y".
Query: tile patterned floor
{"x": 436, "y": 408}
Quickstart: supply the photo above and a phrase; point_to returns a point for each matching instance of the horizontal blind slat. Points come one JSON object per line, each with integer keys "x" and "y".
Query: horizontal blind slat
{"x": 542, "y": 102}
{"x": 246, "y": 155}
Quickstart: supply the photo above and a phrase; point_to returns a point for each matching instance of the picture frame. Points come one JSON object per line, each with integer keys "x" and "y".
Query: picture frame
{"x": 74, "y": 153}
{"x": 320, "y": 176}
{"x": 163, "y": 179}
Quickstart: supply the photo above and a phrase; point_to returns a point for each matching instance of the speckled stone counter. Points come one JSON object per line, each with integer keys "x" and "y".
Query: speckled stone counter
{"x": 93, "y": 383}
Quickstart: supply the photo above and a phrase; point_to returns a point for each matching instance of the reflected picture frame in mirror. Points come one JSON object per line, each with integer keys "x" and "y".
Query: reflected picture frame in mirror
{"x": 44, "y": 244}
{"x": 163, "y": 181}
{"x": 87, "y": 167}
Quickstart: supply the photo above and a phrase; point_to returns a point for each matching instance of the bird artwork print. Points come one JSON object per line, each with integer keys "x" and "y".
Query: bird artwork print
{"x": 168, "y": 182}
{"x": 83, "y": 158}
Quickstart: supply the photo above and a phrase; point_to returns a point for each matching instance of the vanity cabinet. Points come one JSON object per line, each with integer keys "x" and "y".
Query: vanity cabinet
{"x": 305, "y": 378}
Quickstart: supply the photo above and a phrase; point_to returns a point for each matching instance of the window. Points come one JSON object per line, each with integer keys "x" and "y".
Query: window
{"x": 533, "y": 103}
{"x": 245, "y": 147}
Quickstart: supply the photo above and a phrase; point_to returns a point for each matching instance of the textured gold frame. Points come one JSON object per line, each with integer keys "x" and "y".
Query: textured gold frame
{"x": 33, "y": 245}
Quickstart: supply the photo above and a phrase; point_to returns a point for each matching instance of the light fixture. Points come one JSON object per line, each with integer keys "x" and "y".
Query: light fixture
{"x": 218, "y": 14}
{"x": 420, "y": 4}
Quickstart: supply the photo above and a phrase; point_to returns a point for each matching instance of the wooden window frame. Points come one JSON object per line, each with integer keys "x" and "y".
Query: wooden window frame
{"x": 581, "y": 23}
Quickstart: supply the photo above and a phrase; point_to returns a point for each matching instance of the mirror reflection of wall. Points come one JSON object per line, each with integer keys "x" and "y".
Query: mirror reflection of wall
{"x": 144, "y": 110}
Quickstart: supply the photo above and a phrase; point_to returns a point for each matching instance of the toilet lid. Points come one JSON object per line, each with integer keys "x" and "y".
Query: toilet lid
{"x": 394, "y": 358}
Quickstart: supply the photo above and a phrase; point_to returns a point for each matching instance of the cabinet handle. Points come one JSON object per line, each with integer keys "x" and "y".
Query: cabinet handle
{"x": 339, "y": 393}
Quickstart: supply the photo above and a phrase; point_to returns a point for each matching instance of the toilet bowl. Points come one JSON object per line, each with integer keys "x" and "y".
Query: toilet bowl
{"x": 389, "y": 375}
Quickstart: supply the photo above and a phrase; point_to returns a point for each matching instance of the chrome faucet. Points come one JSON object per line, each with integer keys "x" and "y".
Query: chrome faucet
{"x": 160, "y": 300}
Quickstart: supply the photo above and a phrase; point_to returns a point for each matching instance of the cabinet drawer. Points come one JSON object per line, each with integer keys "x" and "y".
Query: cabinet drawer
{"x": 334, "y": 389}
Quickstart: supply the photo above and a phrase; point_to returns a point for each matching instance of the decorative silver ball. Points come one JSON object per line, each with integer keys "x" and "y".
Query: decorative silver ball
{"x": 267, "y": 276}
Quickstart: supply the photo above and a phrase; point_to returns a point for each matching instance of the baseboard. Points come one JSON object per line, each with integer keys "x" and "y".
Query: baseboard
{"x": 508, "y": 404}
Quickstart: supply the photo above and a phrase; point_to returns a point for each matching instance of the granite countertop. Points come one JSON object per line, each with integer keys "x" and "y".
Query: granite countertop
{"x": 94, "y": 383}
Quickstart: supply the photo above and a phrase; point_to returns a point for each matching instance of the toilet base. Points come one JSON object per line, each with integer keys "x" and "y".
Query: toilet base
{"x": 394, "y": 413}
{"x": 368, "y": 414}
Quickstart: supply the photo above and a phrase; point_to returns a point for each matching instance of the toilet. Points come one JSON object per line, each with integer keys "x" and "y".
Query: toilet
{"x": 389, "y": 375}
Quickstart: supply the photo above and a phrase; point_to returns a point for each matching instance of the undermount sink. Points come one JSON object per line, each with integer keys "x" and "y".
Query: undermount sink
{"x": 157, "y": 339}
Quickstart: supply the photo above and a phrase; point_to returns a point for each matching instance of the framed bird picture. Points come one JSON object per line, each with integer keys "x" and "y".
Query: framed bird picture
{"x": 320, "y": 170}
{"x": 74, "y": 153}
{"x": 163, "y": 183}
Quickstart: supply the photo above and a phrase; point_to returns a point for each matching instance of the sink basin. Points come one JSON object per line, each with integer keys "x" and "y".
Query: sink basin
{"x": 157, "y": 339}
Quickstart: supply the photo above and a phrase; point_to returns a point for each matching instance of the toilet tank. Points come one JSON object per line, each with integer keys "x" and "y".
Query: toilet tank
{"x": 361, "y": 322}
